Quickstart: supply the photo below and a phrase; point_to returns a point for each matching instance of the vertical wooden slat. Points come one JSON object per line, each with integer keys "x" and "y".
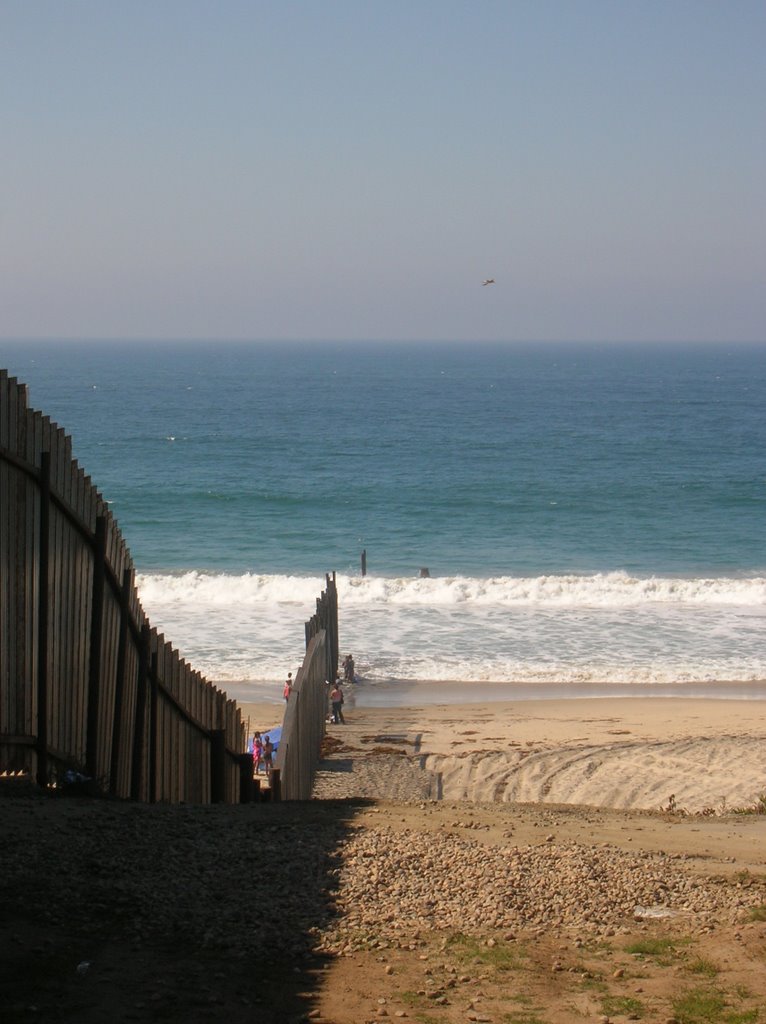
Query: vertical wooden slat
{"x": 120, "y": 685}
{"x": 83, "y": 576}
{"x": 6, "y": 562}
{"x": 138, "y": 773}
{"x": 6, "y": 565}
{"x": 162, "y": 725}
{"x": 94, "y": 664}
{"x": 32, "y": 455}
{"x": 60, "y": 736}
{"x": 25, "y": 515}
{"x": 10, "y": 656}
{"x": 42, "y": 621}
{"x": 153, "y": 721}
{"x": 84, "y": 637}
{"x": 64, "y": 631}
{"x": 110, "y": 646}
{"x": 61, "y": 691}
{"x": 183, "y": 758}
{"x": 174, "y": 668}
{"x": 217, "y": 766}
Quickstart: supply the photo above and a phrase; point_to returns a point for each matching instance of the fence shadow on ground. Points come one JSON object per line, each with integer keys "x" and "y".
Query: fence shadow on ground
{"x": 167, "y": 912}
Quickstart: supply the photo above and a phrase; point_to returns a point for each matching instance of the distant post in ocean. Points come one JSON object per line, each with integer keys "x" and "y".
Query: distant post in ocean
{"x": 364, "y": 562}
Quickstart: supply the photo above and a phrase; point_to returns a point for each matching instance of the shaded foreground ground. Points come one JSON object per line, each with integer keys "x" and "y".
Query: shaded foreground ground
{"x": 351, "y": 911}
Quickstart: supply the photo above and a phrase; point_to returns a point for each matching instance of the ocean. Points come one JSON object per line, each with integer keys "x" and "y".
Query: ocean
{"x": 588, "y": 515}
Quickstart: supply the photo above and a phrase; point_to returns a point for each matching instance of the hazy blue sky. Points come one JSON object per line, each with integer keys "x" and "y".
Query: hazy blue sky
{"x": 338, "y": 169}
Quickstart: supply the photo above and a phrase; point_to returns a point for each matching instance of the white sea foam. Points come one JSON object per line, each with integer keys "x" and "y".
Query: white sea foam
{"x": 222, "y": 589}
{"x": 600, "y": 590}
{"x": 568, "y": 629}
{"x": 616, "y": 590}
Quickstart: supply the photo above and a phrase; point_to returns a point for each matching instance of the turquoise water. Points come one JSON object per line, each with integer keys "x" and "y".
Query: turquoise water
{"x": 585, "y": 512}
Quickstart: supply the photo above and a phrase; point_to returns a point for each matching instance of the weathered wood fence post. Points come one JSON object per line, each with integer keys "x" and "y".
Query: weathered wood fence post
{"x": 246, "y": 778}
{"x": 94, "y": 663}
{"x": 153, "y": 727}
{"x": 119, "y": 691}
{"x": 43, "y": 597}
{"x": 139, "y": 727}
{"x": 217, "y": 766}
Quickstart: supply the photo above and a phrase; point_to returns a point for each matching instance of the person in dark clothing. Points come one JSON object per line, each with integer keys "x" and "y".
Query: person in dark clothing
{"x": 348, "y": 668}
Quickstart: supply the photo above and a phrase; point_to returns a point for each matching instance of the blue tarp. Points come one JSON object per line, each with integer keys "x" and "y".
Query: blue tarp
{"x": 275, "y": 735}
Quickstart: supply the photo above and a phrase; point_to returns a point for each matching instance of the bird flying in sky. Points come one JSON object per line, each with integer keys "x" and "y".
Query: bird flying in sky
{"x": 489, "y": 280}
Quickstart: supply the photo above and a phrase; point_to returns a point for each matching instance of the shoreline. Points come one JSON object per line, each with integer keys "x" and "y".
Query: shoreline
{"x": 400, "y": 693}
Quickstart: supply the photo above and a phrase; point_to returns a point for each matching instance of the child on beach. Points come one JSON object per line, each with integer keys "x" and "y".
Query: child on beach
{"x": 257, "y": 753}
{"x": 288, "y": 687}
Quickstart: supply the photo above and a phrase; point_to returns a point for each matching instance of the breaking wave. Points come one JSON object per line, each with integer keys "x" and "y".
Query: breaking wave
{"x": 600, "y": 590}
{"x": 604, "y": 628}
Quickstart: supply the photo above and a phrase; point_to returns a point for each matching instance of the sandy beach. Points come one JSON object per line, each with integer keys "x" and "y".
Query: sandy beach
{"x": 644, "y": 753}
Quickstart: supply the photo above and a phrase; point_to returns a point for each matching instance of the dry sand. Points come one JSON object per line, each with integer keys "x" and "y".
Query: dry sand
{"x": 697, "y": 755}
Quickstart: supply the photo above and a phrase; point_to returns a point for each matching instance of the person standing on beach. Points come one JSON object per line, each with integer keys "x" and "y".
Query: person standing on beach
{"x": 288, "y": 687}
{"x": 257, "y": 753}
{"x": 336, "y": 699}
{"x": 268, "y": 754}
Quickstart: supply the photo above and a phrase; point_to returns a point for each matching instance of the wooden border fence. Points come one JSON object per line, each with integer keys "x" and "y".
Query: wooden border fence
{"x": 304, "y": 724}
{"x": 87, "y": 685}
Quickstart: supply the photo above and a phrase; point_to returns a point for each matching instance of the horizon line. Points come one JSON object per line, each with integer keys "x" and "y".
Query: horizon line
{"x": 323, "y": 340}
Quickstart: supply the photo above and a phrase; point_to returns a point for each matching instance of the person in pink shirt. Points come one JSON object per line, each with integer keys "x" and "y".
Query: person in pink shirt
{"x": 257, "y": 753}
{"x": 336, "y": 699}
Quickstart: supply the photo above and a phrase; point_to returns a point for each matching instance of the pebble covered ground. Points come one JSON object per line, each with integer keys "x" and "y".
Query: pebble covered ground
{"x": 389, "y": 879}
{"x": 446, "y": 880}
{"x": 124, "y": 912}
{"x": 202, "y": 873}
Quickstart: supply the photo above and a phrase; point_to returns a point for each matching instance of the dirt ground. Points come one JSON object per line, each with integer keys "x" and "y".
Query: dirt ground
{"x": 114, "y": 912}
